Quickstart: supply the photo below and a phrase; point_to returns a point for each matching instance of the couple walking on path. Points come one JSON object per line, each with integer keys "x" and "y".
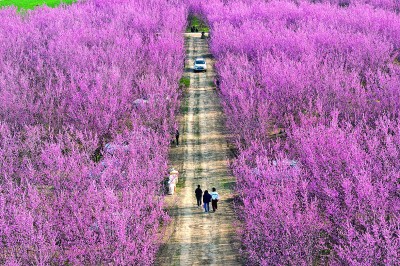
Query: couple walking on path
{"x": 212, "y": 197}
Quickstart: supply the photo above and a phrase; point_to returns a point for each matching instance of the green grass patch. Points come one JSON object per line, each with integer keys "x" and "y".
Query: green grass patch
{"x": 198, "y": 170}
{"x": 198, "y": 23}
{"x": 180, "y": 184}
{"x": 196, "y": 132}
{"x": 184, "y": 109}
{"x": 31, "y": 4}
{"x": 185, "y": 106}
{"x": 227, "y": 183}
{"x": 184, "y": 82}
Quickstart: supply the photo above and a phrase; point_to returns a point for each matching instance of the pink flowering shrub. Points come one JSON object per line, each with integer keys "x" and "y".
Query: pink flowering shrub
{"x": 310, "y": 92}
{"x": 86, "y": 114}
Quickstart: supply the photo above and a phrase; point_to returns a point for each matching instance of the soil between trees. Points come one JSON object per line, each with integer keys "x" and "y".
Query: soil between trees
{"x": 195, "y": 237}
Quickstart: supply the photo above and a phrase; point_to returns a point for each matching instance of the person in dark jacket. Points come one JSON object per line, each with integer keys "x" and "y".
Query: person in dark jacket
{"x": 199, "y": 194}
{"x": 206, "y": 199}
{"x": 177, "y": 137}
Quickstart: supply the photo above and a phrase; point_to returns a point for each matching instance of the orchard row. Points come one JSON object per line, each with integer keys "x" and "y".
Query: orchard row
{"x": 86, "y": 114}
{"x": 311, "y": 95}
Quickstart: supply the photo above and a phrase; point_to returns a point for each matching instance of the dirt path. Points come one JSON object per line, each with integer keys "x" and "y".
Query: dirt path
{"x": 198, "y": 238}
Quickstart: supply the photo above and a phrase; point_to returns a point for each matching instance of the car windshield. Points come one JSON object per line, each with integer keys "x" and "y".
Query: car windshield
{"x": 200, "y": 62}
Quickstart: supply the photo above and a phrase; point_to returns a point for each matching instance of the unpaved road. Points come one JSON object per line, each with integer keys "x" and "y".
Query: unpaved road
{"x": 198, "y": 238}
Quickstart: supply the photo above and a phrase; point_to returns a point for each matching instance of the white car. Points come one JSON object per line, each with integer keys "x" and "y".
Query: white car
{"x": 200, "y": 65}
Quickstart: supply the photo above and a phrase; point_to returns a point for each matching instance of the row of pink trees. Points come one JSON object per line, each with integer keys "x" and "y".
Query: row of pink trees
{"x": 392, "y": 5}
{"x": 86, "y": 112}
{"x": 311, "y": 93}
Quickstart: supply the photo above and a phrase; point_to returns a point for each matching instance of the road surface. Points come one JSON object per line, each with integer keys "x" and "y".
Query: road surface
{"x": 195, "y": 237}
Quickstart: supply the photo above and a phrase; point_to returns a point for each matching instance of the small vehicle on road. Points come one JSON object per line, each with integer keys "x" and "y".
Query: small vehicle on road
{"x": 200, "y": 65}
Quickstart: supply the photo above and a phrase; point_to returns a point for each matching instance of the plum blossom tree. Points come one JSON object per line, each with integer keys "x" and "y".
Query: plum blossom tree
{"x": 310, "y": 92}
{"x": 69, "y": 78}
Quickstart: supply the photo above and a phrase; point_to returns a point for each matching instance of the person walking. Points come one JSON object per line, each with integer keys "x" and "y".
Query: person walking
{"x": 199, "y": 194}
{"x": 206, "y": 200}
{"x": 215, "y": 198}
{"x": 177, "y": 137}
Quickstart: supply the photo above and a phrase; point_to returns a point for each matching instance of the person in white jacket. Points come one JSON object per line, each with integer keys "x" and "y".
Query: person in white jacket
{"x": 215, "y": 198}
{"x": 172, "y": 181}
